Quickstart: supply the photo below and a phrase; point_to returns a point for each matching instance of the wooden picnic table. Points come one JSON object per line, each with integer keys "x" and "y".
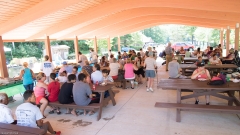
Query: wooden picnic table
{"x": 200, "y": 88}
{"x": 194, "y": 59}
{"x": 207, "y": 66}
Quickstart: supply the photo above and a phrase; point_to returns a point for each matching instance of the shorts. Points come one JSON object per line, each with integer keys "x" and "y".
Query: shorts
{"x": 115, "y": 77}
{"x": 150, "y": 73}
{"x": 38, "y": 99}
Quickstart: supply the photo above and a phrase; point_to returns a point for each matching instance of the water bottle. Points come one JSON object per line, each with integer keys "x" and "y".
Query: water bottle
{"x": 94, "y": 87}
{"x": 96, "y": 82}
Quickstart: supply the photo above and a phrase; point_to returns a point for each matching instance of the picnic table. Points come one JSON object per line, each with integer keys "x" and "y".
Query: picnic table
{"x": 207, "y": 66}
{"x": 200, "y": 88}
{"x": 194, "y": 59}
{"x": 12, "y": 89}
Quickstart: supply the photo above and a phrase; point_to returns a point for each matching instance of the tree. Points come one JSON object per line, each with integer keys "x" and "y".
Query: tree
{"x": 156, "y": 33}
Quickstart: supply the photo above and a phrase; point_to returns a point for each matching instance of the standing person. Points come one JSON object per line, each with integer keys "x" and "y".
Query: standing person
{"x": 125, "y": 55}
{"x": 27, "y": 75}
{"x": 66, "y": 95}
{"x": 150, "y": 64}
{"x": 53, "y": 90}
{"x": 111, "y": 58}
{"x": 114, "y": 69}
{"x": 142, "y": 53}
{"x": 154, "y": 51}
{"x": 81, "y": 59}
{"x": 47, "y": 68}
{"x": 6, "y": 115}
{"x": 29, "y": 115}
{"x": 140, "y": 72}
{"x": 110, "y": 53}
{"x": 119, "y": 54}
{"x": 94, "y": 56}
{"x": 169, "y": 53}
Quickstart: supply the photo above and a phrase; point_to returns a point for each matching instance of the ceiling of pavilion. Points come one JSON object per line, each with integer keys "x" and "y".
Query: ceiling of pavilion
{"x": 64, "y": 19}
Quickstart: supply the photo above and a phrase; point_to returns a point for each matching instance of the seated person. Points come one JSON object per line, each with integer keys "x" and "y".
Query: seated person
{"x": 82, "y": 93}
{"x": 96, "y": 76}
{"x": 62, "y": 78}
{"x": 125, "y": 55}
{"x": 179, "y": 57}
{"x": 200, "y": 60}
{"x": 28, "y": 114}
{"x": 88, "y": 80}
{"x": 114, "y": 67}
{"x": 210, "y": 52}
{"x": 103, "y": 62}
{"x": 182, "y": 51}
{"x": 107, "y": 78}
{"x": 214, "y": 60}
{"x": 187, "y": 53}
{"x": 6, "y": 115}
{"x": 88, "y": 68}
{"x": 94, "y": 58}
{"x": 53, "y": 90}
{"x": 74, "y": 71}
{"x": 120, "y": 61}
{"x": 66, "y": 67}
{"x": 111, "y": 58}
{"x": 66, "y": 95}
{"x": 207, "y": 50}
{"x": 201, "y": 73}
{"x": 174, "y": 69}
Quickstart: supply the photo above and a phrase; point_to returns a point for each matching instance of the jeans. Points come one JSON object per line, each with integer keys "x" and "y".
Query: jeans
{"x": 28, "y": 87}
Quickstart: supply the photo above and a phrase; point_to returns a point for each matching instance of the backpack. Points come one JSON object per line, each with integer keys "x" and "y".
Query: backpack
{"x": 218, "y": 80}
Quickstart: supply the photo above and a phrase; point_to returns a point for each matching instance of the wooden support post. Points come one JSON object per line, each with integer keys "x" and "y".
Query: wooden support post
{"x": 109, "y": 43}
{"x": 119, "y": 44}
{"x": 221, "y": 36}
{"x": 227, "y": 40}
{"x": 95, "y": 45}
{"x": 3, "y": 65}
{"x": 237, "y": 36}
{"x": 76, "y": 48}
{"x": 48, "y": 48}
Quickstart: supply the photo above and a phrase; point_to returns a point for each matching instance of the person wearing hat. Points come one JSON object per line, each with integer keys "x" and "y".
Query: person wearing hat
{"x": 201, "y": 73}
{"x": 27, "y": 75}
{"x": 66, "y": 67}
{"x": 174, "y": 69}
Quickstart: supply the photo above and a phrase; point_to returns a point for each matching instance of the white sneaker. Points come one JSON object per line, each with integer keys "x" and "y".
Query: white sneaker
{"x": 148, "y": 90}
{"x": 151, "y": 89}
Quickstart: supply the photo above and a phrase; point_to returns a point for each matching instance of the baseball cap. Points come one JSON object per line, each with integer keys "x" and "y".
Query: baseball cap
{"x": 64, "y": 63}
{"x": 200, "y": 64}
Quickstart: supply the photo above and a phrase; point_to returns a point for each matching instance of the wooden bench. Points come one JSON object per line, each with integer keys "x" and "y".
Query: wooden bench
{"x": 10, "y": 129}
{"x": 198, "y": 108}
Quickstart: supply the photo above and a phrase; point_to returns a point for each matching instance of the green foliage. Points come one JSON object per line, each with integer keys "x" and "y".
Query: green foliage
{"x": 157, "y": 34}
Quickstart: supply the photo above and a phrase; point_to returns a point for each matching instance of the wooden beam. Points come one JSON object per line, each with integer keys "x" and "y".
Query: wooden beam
{"x": 41, "y": 9}
{"x": 119, "y": 44}
{"x": 3, "y": 65}
{"x": 227, "y": 40}
{"x": 237, "y": 36}
{"x": 221, "y": 36}
{"x": 95, "y": 45}
{"x": 76, "y": 48}
{"x": 48, "y": 48}
{"x": 109, "y": 43}
{"x": 118, "y": 5}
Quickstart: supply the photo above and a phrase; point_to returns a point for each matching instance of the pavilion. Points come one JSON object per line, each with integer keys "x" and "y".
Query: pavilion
{"x": 45, "y": 20}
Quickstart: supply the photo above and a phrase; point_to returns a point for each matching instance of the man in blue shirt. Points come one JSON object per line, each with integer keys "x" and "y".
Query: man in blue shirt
{"x": 66, "y": 67}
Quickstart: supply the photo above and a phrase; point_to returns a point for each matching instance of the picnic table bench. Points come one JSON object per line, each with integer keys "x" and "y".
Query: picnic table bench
{"x": 194, "y": 59}
{"x": 201, "y": 88}
{"x": 94, "y": 106}
{"x": 184, "y": 67}
{"x": 10, "y": 129}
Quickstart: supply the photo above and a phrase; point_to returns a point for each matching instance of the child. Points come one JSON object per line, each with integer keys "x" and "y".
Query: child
{"x": 106, "y": 78}
{"x": 179, "y": 57}
{"x": 62, "y": 78}
{"x": 200, "y": 60}
{"x": 53, "y": 89}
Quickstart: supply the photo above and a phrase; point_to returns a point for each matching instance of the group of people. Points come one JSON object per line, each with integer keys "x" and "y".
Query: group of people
{"x": 174, "y": 61}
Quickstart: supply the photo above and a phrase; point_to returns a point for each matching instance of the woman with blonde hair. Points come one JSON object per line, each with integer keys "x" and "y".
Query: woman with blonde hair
{"x": 27, "y": 75}
{"x": 39, "y": 91}
{"x": 129, "y": 71}
{"x": 88, "y": 80}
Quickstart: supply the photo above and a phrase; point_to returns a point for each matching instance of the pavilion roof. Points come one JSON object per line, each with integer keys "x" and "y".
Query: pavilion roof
{"x": 27, "y": 20}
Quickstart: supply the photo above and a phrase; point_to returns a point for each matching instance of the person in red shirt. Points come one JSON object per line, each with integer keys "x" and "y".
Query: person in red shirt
{"x": 53, "y": 90}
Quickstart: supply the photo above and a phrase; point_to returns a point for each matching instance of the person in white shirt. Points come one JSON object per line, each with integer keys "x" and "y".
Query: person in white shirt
{"x": 94, "y": 56}
{"x": 215, "y": 60}
{"x": 97, "y": 74}
{"x": 81, "y": 59}
{"x": 150, "y": 64}
{"x": 111, "y": 58}
{"x": 110, "y": 53}
{"x": 47, "y": 67}
{"x": 62, "y": 77}
{"x": 114, "y": 69}
{"x": 28, "y": 114}
{"x": 6, "y": 115}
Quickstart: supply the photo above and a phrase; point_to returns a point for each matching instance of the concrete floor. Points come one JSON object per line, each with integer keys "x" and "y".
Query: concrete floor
{"x": 135, "y": 114}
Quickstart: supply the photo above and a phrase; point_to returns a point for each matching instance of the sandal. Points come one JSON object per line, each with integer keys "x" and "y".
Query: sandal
{"x": 91, "y": 113}
{"x": 51, "y": 112}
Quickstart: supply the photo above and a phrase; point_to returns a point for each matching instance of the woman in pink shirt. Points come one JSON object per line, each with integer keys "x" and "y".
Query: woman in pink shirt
{"x": 39, "y": 92}
{"x": 129, "y": 71}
